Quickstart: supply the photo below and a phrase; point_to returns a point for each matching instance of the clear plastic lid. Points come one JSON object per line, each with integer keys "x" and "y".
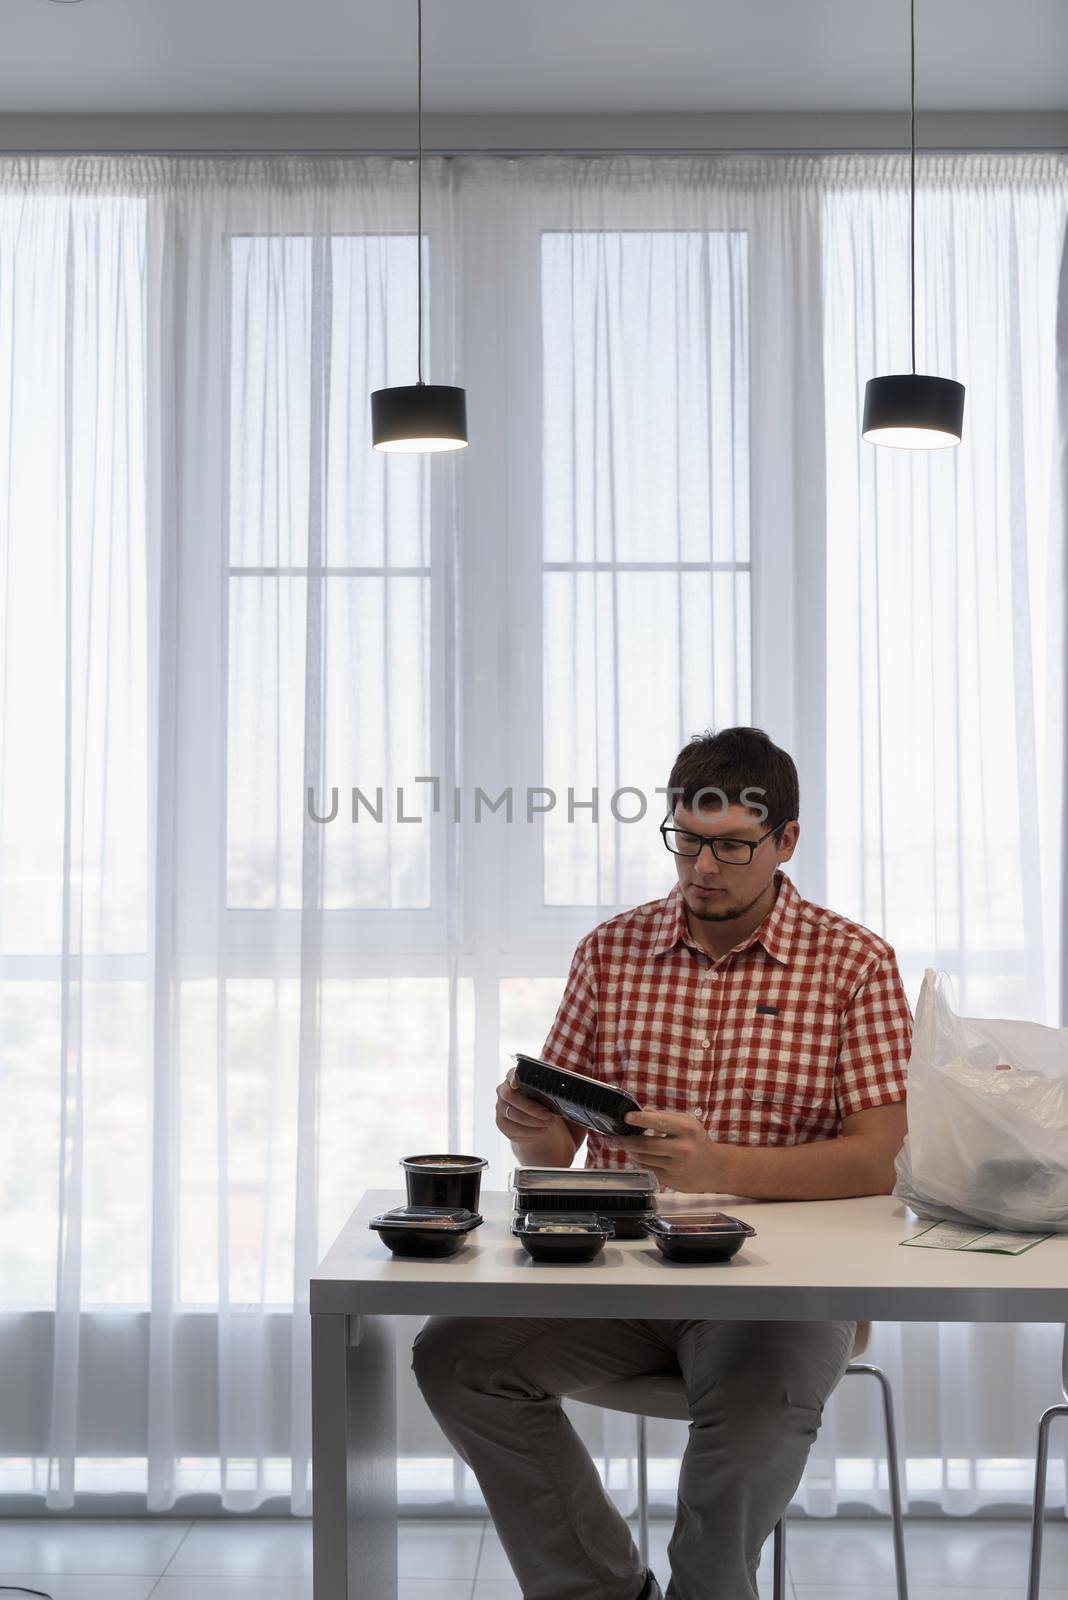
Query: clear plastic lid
{"x": 706, "y": 1224}
{"x": 443, "y": 1219}
{"x": 570, "y": 1222}
{"x": 597, "y": 1180}
{"x": 447, "y": 1164}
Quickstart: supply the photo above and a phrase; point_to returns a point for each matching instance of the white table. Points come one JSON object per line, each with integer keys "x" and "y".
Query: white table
{"x": 813, "y": 1260}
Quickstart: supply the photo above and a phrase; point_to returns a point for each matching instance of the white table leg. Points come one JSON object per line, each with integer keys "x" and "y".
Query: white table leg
{"x": 354, "y": 1458}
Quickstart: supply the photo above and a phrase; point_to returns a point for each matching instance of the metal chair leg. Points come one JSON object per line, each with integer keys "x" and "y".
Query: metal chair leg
{"x": 643, "y": 1491}
{"x": 896, "y": 1514}
{"x": 778, "y": 1585}
{"x": 1034, "y": 1571}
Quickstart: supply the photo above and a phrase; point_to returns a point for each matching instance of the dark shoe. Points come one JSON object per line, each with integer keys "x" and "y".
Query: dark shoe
{"x": 652, "y": 1590}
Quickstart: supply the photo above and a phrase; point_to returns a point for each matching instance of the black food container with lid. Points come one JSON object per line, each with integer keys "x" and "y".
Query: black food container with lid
{"x": 698, "y": 1235}
{"x": 587, "y": 1101}
{"x": 573, "y": 1236}
{"x": 444, "y": 1180}
{"x": 626, "y": 1199}
{"x": 428, "y": 1231}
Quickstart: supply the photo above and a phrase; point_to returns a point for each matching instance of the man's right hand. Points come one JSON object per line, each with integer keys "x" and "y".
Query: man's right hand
{"x": 520, "y": 1118}
{"x": 539, "y": 1138}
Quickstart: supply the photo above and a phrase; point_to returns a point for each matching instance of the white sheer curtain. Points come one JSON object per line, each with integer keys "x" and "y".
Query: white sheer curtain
{"x": 222, "y": 1020}
{"x": 944, "y": 682}
{"x": 945, "y": 577}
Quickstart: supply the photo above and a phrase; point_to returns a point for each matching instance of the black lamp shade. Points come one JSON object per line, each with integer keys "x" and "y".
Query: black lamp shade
{"x": 419, "y": 417}
{"x": 913, "y": 411}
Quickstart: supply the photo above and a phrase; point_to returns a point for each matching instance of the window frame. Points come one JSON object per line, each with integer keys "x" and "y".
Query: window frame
{"x": 250, "y": 934}
{"x": 786, "y": 646}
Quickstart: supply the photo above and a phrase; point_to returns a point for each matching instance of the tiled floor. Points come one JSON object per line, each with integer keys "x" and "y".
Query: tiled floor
{"x": 255, "y": 1559}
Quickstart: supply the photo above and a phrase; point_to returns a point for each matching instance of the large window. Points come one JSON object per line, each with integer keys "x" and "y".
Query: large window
{"x": 74, "y": 743}
{"x": 329, "y": 632}
{"x": 944, "y": 654}
{"x": 331, "y": 649}
{"x": 646, "y": 568}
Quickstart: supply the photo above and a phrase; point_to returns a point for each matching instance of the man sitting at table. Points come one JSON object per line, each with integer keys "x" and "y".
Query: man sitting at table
{"x": 768, "y": 1039}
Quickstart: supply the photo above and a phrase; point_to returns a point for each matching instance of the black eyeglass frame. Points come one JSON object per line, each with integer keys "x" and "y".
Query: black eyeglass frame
{"x": 668, "y": 826}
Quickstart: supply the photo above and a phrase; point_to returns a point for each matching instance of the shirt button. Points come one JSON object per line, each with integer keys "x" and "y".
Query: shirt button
{"x": 706, "y": 1044}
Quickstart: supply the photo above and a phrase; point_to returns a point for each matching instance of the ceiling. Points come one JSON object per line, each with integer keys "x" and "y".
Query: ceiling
{"x": 528, "y": 56}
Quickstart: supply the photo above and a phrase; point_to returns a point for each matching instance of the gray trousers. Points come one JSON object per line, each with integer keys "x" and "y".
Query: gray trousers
{"x": 756, "y": 1393}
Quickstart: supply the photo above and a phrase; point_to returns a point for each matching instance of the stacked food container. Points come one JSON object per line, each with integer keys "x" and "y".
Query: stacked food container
{"x": 567, "y": 1213}
{"x": 442, "y": 1207}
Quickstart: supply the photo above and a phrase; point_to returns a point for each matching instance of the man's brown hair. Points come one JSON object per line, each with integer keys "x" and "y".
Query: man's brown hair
{"x": 736, "y": 766}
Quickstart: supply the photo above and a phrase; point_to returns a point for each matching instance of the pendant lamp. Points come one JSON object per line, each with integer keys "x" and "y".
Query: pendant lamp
{"x": 419, "y": 417}
{"x": 913, "y": 410}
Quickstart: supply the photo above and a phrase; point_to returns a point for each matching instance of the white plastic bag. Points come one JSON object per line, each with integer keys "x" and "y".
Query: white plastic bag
{"x": 988, "y": 1119}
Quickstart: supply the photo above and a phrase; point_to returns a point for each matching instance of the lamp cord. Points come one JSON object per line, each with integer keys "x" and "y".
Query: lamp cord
{"x": 419, "y": 182}
{"x": 912, "y": 175}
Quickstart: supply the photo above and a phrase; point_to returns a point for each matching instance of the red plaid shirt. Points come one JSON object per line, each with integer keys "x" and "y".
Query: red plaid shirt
{"x": 801, "y": 1024}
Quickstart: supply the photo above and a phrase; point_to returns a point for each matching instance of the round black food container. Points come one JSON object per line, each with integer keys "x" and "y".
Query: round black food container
{"x": 444, "y": 1180}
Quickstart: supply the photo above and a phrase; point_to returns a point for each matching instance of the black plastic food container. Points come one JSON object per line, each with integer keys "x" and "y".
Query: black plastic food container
{"x": 572, "y": 1236}
{"x": 424, "y": 1230}
{"x": 626, "y": 1199}
{"x": 595, "y": 1105}
{"x": 699, "y": 1235}
{"x": 444, "y": 1180}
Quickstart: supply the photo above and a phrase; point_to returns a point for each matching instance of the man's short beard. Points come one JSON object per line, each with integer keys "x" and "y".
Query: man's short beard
{"x": 724, "y": 916}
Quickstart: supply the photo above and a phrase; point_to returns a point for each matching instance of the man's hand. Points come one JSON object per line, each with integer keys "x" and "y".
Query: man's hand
{"x": 678, "y": 1151}
{"x": 518, "y": 1116}
{"x": 857, "y": 1161}
{"x": 537, "y": 1135}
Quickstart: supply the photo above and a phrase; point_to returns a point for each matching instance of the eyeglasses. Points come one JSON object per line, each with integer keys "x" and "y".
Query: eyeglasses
{"x": 732, "y": 852}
